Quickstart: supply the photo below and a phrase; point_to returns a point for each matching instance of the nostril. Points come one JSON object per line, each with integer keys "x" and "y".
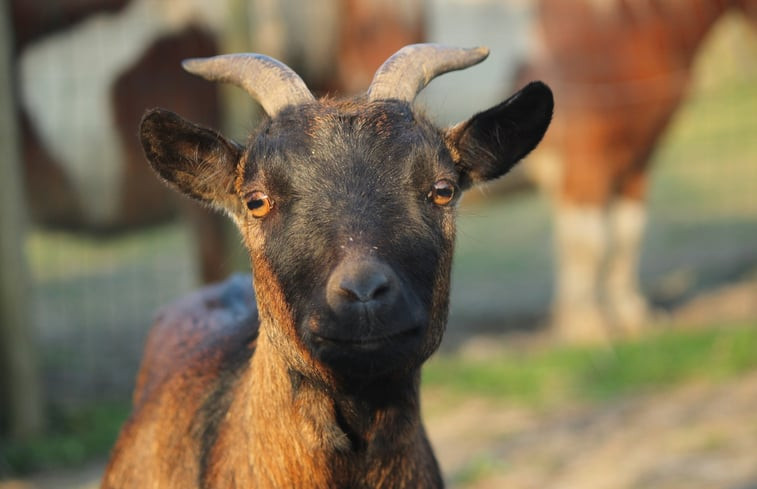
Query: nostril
{"x": 365, "y": 287}
{"x": 381, "y": 290}
{"x": 361, "y": 281}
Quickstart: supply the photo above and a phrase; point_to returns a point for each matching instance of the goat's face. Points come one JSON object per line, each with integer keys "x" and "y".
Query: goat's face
{"x": 347, "y": 209}
{"x": 357, "y": 236}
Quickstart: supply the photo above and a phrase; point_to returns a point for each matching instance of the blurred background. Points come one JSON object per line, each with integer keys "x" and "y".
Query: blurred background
{"x": 93, "y": 245}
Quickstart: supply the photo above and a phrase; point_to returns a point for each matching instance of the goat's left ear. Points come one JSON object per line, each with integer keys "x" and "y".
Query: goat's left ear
{"x": 488, "y": 144}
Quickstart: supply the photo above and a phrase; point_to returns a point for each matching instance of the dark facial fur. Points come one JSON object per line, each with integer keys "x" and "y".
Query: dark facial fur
{"x": 350, "y": 184}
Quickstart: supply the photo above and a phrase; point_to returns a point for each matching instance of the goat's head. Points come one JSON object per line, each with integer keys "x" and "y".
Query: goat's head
{"x": 347, "y": 207}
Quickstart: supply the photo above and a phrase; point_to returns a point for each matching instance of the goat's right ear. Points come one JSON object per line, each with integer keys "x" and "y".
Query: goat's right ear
{"x": 194, "y": 160}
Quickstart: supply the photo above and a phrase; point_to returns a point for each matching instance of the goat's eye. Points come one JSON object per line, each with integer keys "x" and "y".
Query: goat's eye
{"x": 259, "y": 204}
{"x": 442, "y": 192}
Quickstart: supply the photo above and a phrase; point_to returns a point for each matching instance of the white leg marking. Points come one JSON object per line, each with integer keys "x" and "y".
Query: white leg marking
{"x": 580, "y": 240}
{"x": 627, "y": 219}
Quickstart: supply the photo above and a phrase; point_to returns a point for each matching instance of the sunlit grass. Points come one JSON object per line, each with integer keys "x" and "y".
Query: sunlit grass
{"x": 590, "y": 374}
{"x": 706, "y": 164}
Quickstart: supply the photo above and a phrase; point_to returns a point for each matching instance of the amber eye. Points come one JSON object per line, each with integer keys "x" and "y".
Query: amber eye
{"x": 259, "y": 204}
{"x": 442, "y": 192}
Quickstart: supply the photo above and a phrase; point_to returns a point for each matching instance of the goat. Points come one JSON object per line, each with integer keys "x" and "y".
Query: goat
{"x": 620, "y": 70}
{"x": 347, "y": 208}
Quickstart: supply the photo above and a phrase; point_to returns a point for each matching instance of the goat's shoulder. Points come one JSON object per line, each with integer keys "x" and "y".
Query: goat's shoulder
{"x": 197, "y": 348}
{"x": 199, "y": 338}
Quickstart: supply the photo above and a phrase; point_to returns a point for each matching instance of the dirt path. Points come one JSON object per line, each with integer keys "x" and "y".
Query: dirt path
{"x": 696, "y": 436}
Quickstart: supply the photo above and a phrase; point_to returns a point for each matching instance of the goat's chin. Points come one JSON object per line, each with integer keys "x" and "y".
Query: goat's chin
{"x": 368, "y": 356}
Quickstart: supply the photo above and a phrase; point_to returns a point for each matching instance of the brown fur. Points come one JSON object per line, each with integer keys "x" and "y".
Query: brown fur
{"x": 619, "y": 73}
{"x": 183, "y": 360}
{"x": 370, "y": 31}
{"x": 182, "y": 363}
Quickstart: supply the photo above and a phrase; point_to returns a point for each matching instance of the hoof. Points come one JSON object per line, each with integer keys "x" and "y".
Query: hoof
{"x": 631, "y": 316}
{"x": 582, "y": 326}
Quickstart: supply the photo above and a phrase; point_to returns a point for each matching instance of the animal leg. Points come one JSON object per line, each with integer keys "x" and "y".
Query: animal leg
{"x": 626, "y": 305}
{"x": 580, "y": 242}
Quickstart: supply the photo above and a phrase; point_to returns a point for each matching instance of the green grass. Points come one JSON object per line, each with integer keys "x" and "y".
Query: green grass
{"x": 73, "y": 438}
{"x": 571, "y": 374}
{"x": 480, "y": 467}
{"x": 705, "y": 161}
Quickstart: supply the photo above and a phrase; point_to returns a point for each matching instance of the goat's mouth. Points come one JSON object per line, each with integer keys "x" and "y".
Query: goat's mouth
{"x": 366, "y": 355}
{"x": 367, "y": 343}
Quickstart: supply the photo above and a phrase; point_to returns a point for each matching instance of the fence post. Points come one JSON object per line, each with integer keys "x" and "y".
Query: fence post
{"x": 238, "y": 111}
{"x": 21, "y": 405}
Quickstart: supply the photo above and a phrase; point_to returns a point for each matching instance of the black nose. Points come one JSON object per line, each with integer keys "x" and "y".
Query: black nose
{"x": 356, "y": 284}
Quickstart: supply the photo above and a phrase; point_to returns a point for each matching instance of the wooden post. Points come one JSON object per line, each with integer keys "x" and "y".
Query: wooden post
{"x": 238, "y": 111}
{"x": 21, "y": 406}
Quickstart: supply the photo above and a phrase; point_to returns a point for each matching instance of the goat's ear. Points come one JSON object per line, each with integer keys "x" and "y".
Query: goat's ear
{"x": 194, "y": 160}
{"x": 488, "y": 144}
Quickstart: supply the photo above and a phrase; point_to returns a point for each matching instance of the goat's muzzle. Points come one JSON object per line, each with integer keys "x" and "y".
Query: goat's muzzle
{"x": 372, "y": 323}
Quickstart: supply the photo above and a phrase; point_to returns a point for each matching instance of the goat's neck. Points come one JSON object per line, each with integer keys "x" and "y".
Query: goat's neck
{"x": 301, "y": 432}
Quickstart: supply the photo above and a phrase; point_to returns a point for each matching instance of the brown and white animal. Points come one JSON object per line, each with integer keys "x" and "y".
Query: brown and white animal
{"x": 619, "y": 69}
{"x": 347, "y": 208}
{"x": 86, "y": 70}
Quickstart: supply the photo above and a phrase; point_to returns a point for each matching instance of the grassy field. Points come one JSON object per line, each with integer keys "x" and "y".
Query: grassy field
{"x": 567, "y": 374}
{"x": 75, "y": 436}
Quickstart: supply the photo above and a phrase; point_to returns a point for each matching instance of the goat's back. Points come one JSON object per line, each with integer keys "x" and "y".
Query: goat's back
{"x": 196, "y": 349}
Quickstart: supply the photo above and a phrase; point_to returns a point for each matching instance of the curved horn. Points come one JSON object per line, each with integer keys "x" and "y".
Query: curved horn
{"x": 410, "y": 69}
{"x": 270, "y": 82}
